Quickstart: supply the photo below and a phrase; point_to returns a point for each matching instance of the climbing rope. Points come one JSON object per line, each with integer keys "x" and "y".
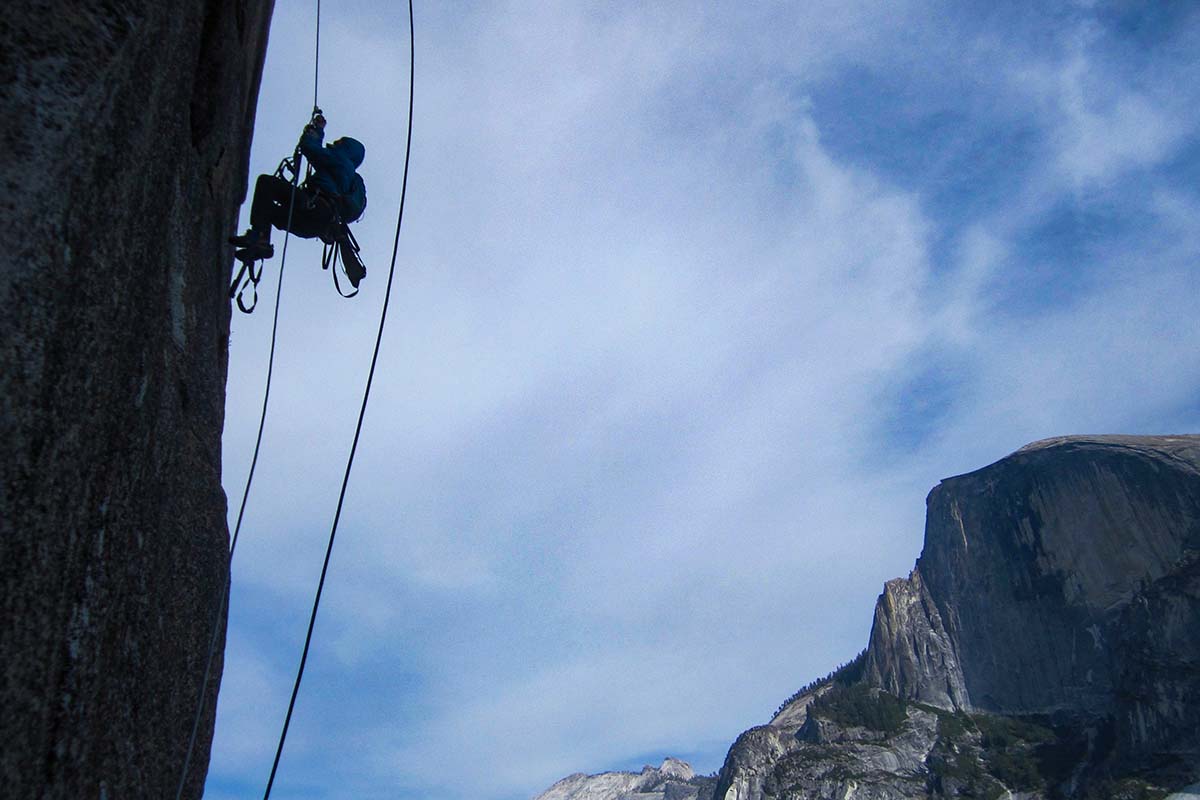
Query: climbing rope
{"x": 262, "y": 420}
{"x": 317, "y": 60}
{"x": 361, "y": 412}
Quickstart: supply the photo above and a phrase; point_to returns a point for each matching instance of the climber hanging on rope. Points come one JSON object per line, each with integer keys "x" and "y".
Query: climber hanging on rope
{"x": 332, "y": 196}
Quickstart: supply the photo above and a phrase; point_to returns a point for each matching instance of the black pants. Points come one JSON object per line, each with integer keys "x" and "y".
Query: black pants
{"x": 311, "y": 216}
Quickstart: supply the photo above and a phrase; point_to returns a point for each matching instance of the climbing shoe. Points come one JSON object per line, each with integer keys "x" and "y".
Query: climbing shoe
{"x": 254, "y": 252}
{"x": 245, "y": 240}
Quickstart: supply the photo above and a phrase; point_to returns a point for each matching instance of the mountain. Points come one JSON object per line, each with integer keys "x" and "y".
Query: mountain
{"x": 1047, "y": 644}
{"x": 126, "y": 137}
{"x": 674, "y": 780}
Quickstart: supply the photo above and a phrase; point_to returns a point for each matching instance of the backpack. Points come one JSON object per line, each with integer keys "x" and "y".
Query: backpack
{"x": 353, "y": 203}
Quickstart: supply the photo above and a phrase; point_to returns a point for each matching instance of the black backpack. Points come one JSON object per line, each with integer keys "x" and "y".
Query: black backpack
{"x": 353, "y": 203}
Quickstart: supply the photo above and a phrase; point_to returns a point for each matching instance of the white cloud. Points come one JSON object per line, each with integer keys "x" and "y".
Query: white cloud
{"x": 1102, "y": 124}
{"x": 1106, "y": 129}
{"x": 253, "y": 696}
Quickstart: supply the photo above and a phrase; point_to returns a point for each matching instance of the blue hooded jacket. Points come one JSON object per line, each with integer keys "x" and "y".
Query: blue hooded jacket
{"x": 334, "y": 164}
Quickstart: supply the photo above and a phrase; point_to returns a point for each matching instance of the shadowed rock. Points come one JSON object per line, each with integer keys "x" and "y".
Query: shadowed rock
{"x": 126, "y": 133}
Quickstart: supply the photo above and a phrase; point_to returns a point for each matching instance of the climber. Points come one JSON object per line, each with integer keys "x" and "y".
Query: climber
{"x": 333, "y": 196}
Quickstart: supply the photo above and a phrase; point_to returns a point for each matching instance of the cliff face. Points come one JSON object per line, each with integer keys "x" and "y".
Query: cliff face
{"x": 1066, "y": 578}
{"x": 910, "y": 653}
{"x": 1046, "y": 643}
{"x": 126, "y": 132}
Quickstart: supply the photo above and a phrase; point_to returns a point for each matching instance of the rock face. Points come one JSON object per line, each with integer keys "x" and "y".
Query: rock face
{"x": 126, "y": 132}
{"x": 910, "y": 654}
{"x": 1045, "y": 645}
{"x": 674, "y": 780}
{"x": 1066, "y": 576}
{"x": 751, "y": 762}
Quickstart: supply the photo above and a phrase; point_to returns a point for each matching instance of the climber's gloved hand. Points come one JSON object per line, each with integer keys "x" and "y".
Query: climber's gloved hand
{"x": 318, "y": 121}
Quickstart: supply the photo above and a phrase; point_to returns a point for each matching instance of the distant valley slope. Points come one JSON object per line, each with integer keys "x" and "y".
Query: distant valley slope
{"x": 674, "y": 780}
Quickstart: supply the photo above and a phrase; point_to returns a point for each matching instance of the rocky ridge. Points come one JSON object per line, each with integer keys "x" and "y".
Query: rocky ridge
{"x": 673, "y": 780}
{"x": 126, "y": 134}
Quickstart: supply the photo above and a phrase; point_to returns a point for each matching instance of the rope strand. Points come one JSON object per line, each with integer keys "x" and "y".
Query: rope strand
{"x": 361, "y": 415}
{"x": 262, "y": 421}
{"x": 317, "y": 59}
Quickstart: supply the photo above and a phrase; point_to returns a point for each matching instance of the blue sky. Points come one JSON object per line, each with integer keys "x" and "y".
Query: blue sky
{"x": 695, "y": 304}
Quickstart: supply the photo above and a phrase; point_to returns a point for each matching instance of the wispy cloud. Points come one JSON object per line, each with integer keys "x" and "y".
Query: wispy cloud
{"x": 695, "y": 306}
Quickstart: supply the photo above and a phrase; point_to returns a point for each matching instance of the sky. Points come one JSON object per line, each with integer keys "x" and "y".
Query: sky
{"x": 694, "y": 304}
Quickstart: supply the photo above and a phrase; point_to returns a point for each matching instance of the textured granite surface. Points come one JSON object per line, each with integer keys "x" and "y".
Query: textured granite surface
{"x": 125, "y": 133}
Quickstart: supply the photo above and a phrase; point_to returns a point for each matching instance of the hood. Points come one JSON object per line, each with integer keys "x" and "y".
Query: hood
{"x": 351, "y": 148}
